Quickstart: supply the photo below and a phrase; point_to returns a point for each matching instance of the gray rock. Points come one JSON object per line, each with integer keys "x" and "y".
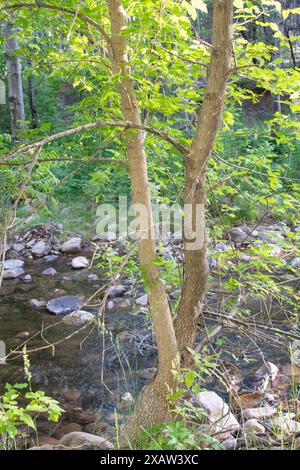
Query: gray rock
{"x": 80, "y": 262}
{"x": 117, "y": 290}
{"x": 142, "y": 300}
{"x": 51, "y": 272}
{"x": 271, "y": 236}
{"x": 18, "y": 247}
{"x": 37, "y": 304}
{"x": 92, "y": 277}
{"x": 258, "y": 413}
{"x": 31, "y": 243}
{"x": 50, "y": 258}
{"x": 230, "y": 443}
{"x": 253, "y": 426}
{"x": 219, "y": 416}
{"x": 78, "y": 439}
{"x": 73, "y": 245}
{"x": 79, "y": 317}
{"x": 64, "y": 305}
{"x": 237, "y": 235}
{"x": 13, "y": 263}
{"x": 13, "y": 273}
{"x": 39, "y": 249}
{"x": 286, "y": 424}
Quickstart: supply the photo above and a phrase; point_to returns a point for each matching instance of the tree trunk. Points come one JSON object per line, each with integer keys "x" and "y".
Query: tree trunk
{"x": 146, "y": 414}
{"x": 196, "y": 268}
{"x": 15, "y": 89}
{"x": 31, "y": 99}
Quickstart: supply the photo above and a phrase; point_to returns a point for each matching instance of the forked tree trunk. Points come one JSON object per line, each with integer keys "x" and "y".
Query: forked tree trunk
{"x": 152, "y": 399}
{"x": 151, "y": 407}
{"x": 15, "y": 89}
{"x": 196, "y": 268}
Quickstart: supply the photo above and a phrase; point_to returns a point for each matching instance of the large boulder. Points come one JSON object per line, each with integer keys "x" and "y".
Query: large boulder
{"x": 64, "y": 305}
{"x": 222, "y": 421}
{"x": 73, "y": 245}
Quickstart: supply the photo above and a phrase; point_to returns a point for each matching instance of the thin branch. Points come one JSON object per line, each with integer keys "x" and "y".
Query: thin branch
{"x": 68, "y": 11}
{"x": 94, "y": 125}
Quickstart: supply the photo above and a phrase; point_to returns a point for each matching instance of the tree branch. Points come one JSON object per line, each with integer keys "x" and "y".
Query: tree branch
{"x": 94, "y": 125}
{"x": 68, "y": 11}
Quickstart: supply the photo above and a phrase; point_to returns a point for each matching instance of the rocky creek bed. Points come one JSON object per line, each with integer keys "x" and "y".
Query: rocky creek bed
{"x": 44, "y": 297}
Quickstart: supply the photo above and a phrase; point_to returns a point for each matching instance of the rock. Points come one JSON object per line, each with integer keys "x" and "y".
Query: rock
{"x": 212, "y": 263}
{"x": 66, "y": 429}
{"x": 79, "y": 317}
{"x": 23, "y": 335}
{"x": 245, "y": 258}
{"x": 258, "y": 413}
{"x": 50, "y": 258}
{"x": 26, "y": 278}
{"x": 73, "y": 245}
{"x": 143, "y": 300}
{"x": 286, "y": 424}
{"x": 64, "y": 305}
{"x": 83, "y": 417}
{"x": 80, "y": 262}
{"x": 84, "y": 440}
{"x": 47, "y": 440}
{"x": 37, "y": 304}
{"x": 230, "y": 443}
{"x": 51, "y": 272}
{"x": 110, "y": 305}
{"x": 92, "y": 277}
{"x": 295, "y": 263}
{"x": 13, "y": 263}
{"x": 13, "y": 273}
{"x": 271, "y": 236}
{"x": 117, "y": 290}
{"x": 39, "y": 249}
{"x": 71, "y": 394}
{"x": 221, "y": 246}
{"x": 31, "y": 243}
{"x": 127, "y": 399}
{"x": 219, "y": 416}
{"x": 122, "y": 303}
{"x": 253, "y": 426}
{"x": 237, "y": 235}
{"x": 18, "y": 247}
{"x": 268, "y": 369}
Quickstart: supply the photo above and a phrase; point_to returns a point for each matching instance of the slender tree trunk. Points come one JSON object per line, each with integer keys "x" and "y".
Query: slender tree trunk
{"x": 196, "y": 269}
{"x": 31, "y": 99}
{"x": 152, "y": 406}
{"x": 15, "y": 89}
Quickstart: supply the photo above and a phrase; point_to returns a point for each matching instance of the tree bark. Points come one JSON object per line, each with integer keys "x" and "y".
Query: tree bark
{"x": 152, "y": 406}
{"x": 15, "y": 89}
{"x": 196, "y": 268}
{"x": 31, "y": 99}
